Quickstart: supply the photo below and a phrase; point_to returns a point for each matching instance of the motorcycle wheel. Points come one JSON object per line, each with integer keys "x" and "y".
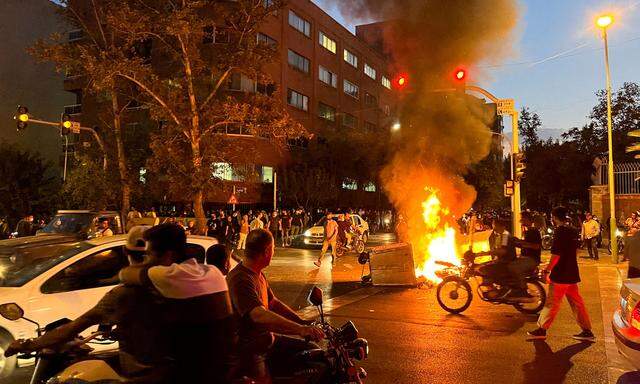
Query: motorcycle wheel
{"x": 340, "y": 251}
{"x": 359, "y": 247}
{"x": 536, "y": 290}
{"x": 454, "y": 294}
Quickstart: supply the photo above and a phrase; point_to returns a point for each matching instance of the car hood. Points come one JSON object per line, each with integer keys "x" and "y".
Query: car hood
{"x": 633, "y": 285}
{"x": 43, "y": 239}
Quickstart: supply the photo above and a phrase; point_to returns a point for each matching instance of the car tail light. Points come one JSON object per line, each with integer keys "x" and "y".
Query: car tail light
{"x": 635, "y": 317}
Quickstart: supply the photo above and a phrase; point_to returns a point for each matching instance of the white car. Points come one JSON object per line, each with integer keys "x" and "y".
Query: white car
{"x": 51, "y": 281}
{"x": 314, "y": 236}
{"x": 626, "y": 322}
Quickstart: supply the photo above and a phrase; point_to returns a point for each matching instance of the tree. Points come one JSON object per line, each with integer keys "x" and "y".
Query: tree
{"x": 29, "y": 185}
{"x": 528, "y": 126}
{"x": 92, "y": 58}
{"x": 202, "y": 46}
{"x": 88, "y": 186}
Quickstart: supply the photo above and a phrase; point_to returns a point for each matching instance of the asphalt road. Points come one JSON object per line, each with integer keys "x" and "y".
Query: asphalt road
{"x": 412, "y": 340}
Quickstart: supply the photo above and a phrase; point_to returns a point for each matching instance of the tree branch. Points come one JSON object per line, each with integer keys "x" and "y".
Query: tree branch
{"x": 216, "y": 87}
{"x": 154, "y": 95}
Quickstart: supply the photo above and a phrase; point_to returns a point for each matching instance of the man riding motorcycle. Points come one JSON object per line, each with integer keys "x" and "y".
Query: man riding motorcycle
{"x": 529, "y": 259}
{"x": 503, "y": 249}
{"x": 134, "y": 311}
{"x": 263, "y": 320}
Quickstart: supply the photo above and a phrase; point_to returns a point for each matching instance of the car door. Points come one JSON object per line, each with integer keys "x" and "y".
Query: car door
{"x": 78, "y": 286}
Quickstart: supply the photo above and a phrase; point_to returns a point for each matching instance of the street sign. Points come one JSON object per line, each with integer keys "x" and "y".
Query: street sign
{"x": 509, "y": 183}
{"x": 241, "y": 190}
{"x": 233, "y": 199}
{"x": 508, "y": 188}
{"x": 506, "y": 107}
{"x": 75, "y": 127}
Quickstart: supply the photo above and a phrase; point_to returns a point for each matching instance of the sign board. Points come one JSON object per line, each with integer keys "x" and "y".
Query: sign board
{"x": 233, "y": 199}
{"x": 508, "y": 191}
{"x": 506, "y": 107}
{"x": 241, "y": 190}
{"x": 75, "y": 127}
{"x": 509, "y": 183}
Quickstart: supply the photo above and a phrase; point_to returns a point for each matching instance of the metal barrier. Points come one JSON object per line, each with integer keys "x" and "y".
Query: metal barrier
{"x": 626, "y": 177}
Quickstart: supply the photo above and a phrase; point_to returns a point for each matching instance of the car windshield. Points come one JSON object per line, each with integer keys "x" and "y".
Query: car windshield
{"x": 19, "y": 265}
{"x": 69, "y": 223}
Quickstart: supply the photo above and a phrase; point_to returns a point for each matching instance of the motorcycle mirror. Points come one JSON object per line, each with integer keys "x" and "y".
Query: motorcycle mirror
{"x": 315, "y": 296}
{"x": 11, "y": 311}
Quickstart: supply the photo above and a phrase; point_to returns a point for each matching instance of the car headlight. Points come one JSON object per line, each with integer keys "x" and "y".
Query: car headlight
{"x": 307, "y": 233}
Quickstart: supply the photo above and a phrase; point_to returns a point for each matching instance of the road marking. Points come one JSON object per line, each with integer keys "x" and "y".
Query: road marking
{"x": 310, "y": 312}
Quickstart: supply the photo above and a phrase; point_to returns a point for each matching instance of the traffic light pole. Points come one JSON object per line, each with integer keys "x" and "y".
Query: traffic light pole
{"x": 515, "y": 199}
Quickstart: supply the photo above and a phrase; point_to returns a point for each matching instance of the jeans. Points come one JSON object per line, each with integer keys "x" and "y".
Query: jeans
{"x": 295, "y": 230}
{"x": 592, "y": 247}
{"x": 520, "y": 269}
{"x": 277, "y": 360}
{"x": 242, "y": 241}
{"x": 554, "y": 299}
{"x": 333, "y": 242}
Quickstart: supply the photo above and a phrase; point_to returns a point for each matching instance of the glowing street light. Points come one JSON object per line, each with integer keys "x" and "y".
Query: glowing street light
{"x": 460, "y": 74}
{"x": 396, "y": 126}
{"x": 604, "y": 22}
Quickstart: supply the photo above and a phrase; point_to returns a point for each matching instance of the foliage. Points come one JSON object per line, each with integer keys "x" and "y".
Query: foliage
{"x": 88, "y": 187}
{"x": 28, "y": 183}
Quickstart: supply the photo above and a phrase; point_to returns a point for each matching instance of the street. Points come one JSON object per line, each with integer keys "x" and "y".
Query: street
{"x": 412, "y": 340}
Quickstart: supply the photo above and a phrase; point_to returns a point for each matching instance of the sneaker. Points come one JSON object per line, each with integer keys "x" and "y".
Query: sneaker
{"x": 538, "y": 334}
{"x": 317, "y": 263}
{"x": 585, "y": 335}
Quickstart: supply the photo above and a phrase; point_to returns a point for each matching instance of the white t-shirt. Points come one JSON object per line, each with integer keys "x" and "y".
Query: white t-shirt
{"x": 187, "y": 279}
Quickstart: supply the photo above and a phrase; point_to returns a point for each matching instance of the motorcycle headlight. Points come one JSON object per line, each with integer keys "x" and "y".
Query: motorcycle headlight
{"x": 619, "y": 233}
{"x": 360, "y": 349}
{"x": 307, "y": 233}
{"x": 549, "y": 230}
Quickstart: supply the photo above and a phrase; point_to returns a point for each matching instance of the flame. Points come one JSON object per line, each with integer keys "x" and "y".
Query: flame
{"x": 440, "y": 241}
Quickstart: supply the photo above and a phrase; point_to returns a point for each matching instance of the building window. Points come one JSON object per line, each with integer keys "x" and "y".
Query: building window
{"x": 298, "y": 100}
{"x": 326, "y": 112}
{"x": 266, "y": 89}
{"x": 222, "y": 171}
{"x": 386, "y": 82}
{"x": 349, "y": 121}
{"x": 240, "y": 82}
{"x": 267, "y": 175}
{"x": 327, "y": 42}
{"x": 328, "y": 77}
{"x": 349, "y": 184}
{"x": 351, "y": 89}
{"x": 371, "y": 127}
{"x": 370, "y": 100}
{"x": 351, "y": 58}
{"x": 370, "y": 187}
{"x": 266, "y": 40}
{"x": 369, "y": 71}
{"x": 299, "y": 24}
{"x": 298, "y": 62}
{"x": 267, "y": 3}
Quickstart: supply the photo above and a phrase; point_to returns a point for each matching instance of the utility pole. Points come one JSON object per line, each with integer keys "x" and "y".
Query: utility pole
{"x": 275, "y": 190}
{"x": 515, "y": 199}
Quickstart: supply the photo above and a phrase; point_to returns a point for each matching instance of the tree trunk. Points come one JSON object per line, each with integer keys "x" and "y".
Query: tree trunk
{"x": 122, "y": 158}
{"x": 198, "y": 196}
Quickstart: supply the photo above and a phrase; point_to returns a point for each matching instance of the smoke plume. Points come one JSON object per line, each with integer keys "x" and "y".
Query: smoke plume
{"x": 442, "y": 133}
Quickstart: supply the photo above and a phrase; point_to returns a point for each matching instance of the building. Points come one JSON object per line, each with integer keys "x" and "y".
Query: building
{"x": 328, "y": 77}
{"x": 25, "y": 81}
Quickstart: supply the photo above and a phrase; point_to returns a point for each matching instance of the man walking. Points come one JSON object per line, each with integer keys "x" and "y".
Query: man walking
{"x": 330, "y": 239}
{"x": 563, "y": 280}
{"x": 257, "y": 223}
{"x": 590, "y": 232}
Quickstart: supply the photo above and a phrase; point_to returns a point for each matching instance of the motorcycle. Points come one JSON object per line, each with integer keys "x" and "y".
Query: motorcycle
{"x": 620, "y": 234}
{"x": 454, "y": 293}
{"x": 357, "y": 245}
{"x": 547, "y": 238}
{"x": 335, "y": 364}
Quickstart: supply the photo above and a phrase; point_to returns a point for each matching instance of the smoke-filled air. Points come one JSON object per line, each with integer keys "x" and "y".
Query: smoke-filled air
{"x": 442, "y": 133}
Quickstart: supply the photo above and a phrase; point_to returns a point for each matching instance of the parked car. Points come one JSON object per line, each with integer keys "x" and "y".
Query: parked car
{"x": 626, "y": 322}
{"x": 315, "y": 235}
{"x": 81, "y": 223}
{"x": 51, "y": 281}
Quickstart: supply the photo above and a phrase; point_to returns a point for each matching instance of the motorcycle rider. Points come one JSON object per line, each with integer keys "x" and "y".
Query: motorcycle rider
{"x": 344, "y": 230}
{"x": 262, "y": 319}
{"x": 502, "y": 247}
{"x": 197, "y": 314}
{"x": 529, "y": 259}
{"x": 134, "y": 311}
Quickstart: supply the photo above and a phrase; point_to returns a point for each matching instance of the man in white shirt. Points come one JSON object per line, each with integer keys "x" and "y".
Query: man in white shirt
{"x": 257, "y": 223}
{"x": 103, "y": 229}
{"x": 590, "y": 232}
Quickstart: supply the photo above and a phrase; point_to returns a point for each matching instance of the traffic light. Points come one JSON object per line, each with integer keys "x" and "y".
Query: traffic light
{"x": 460, "y": 79}
{"x": 21, "y": 117}
{"x": 519, "y": 165}
{"x": 65, "y": 124}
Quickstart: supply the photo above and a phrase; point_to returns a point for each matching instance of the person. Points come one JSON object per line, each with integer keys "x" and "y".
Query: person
{"x": 197, "y": 314}
{"x": 502, "y": 247}
{"x": 297, "y": 222}
{"x": 219, "y": 256}
{"x": 589, "y": 234}
{"x": 274, "y": 225}
{"x": 25, "y": 226}
{"x": 133, "y": 214}
{"x": 330, "y": 240}
{"x": 191, "y": 228}
{"x": 151, "y": 213}
{"x": 285, "y": 228}
{"x": 244, "y": 231}
{"x": 212, "y": 225}
{"x": 104, "y": 230}
{"x": 563, "y": 280}
{"x": 143, "y": 347}
{"x": 344, "y": 227}
{"x": 531, "y": 248}
{"x": 263, "y": 320}
{"x": 402, "y": 230}
{"x": 257, "y": 223}
{"x": 630, "y": 221}
{"x": 230, "y": 230}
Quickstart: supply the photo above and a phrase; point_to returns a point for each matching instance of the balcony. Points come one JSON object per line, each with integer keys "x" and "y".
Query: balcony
{"x": 74, "y": 109}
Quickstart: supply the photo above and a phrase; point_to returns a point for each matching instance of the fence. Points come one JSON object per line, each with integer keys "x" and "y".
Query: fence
{"x": 626, "y": 177}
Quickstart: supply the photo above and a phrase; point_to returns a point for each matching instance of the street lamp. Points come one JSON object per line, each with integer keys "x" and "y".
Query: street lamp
{"x": 603, "y": 22}
{"x": 396, "y": 126}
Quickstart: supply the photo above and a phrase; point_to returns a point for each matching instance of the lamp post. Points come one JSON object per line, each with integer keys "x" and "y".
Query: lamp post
{"x": 603, "y": 22}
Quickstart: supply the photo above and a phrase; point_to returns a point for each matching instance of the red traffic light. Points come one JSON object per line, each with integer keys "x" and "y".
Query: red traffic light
{"x": 460, "y": 74}
{"x": 401, "y": 81}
